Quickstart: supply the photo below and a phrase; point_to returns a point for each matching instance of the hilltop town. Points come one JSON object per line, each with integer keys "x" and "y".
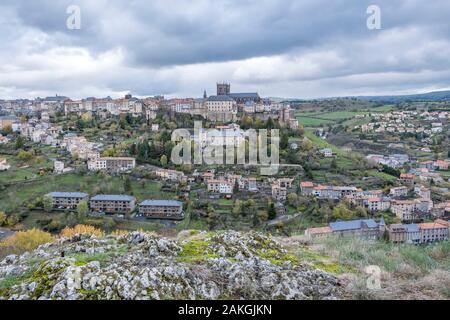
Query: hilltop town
{"x": 346, "y": 169}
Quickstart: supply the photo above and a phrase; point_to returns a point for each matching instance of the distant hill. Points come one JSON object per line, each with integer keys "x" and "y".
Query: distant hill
{"x": 430, "y": 96}
{"x": 425, "y": 97}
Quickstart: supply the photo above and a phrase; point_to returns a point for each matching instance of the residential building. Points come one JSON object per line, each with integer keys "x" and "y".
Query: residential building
{"x": 162, "y": 209}
{"x": 279, "y": 193}
{"x": 67, "y": 200}
{"x": 400, "y": 233}
{"x": 406, "y": 210}
{"x": 4, "y": 166}
{"x": 378, "y": 204}
{"x": 406, "y": 178}
{"x": 327, "y": 152}
{"x": 433, "y": 232}
{"x": 170, "y": 175}
{"x": 112, "y": 164}
{"x": 112, "y": 203}
{"x": 220, "y": 186}
{"x": 399, "y": 192}
{"x": 306, "y": 188}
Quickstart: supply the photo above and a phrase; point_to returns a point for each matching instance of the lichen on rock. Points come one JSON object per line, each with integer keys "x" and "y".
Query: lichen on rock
{"x": 196, "y": 265}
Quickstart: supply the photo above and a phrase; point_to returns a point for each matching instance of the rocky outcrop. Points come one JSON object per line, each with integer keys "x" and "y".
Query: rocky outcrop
{"x": 196, "y": 265}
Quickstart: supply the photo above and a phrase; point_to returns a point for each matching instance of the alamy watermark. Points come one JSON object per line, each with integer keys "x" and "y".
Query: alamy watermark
{"x": 374, "y": 20}
{"x": 373, "y": 282}
{"x": 230, "y": 147}
{"x": 73, "y": 22}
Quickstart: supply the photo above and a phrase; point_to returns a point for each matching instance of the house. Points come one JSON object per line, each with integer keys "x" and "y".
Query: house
{"x": 326, "y": 152}
{"x": 433, "y": 232}
{"x": 285, "y": 182}
{"x": 406, "y": 178}
{"x": 220, "y": 186}
{"x": 406, "y": 210}
{"x": 423, "y": 192}
{"x": 399, "y": 192}
{"x": 252, "y": 186}
{"x": 67, "y": 200}
{"x": 279, "y": 193}
{"x": 4, "y": 166}
{"x": 170, "y": 175}
{"x": 306, "y": 187}
{"x": 441, "y": 164}
{"x": 58, "y": 166}
{"x": 3, "y": 140}
{"x": 113, "y": 203}
{"x": 378, "y": 204}
{"x": 207, "y": 176}
{"x": 112, "y": 164}
{"x": 162, "y": 209}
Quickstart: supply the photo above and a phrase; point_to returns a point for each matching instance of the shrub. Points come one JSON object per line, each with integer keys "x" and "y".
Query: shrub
{"x": 2, "y": 218}
{"x": 23, "y": 241}
{"x": 81, "y": 229}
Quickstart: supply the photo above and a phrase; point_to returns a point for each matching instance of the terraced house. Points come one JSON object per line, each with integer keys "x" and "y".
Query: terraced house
{"x": 113, "y": 203}
{"x": 67, "y": 200}
{"x": 162, "y": 209}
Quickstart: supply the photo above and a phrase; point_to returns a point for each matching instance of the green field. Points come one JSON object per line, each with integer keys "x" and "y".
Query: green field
{"x": 314, "y": 119}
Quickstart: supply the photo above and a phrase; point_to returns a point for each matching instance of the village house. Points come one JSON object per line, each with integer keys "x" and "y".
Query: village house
{"x": 112, "y": 164}
{"x": 433, "y": 232}
{"x": 67, "y": 200}
{"x": 112, "y": 203}
{"x": 406, "y": 210}
{"x": 406, "y": 178}
{"x": 3, "y": 140}
{"x": 206, "y": 176}
{"x": 221, "y": 186}
{"x": 170, "y": 175}
{"x": 423, "y": 192}
{"x": 327, "y": 152}
{"x": 4, "y": 166}
{"x": 306, "y": 188}
{"x": 441, "y": 164}
{"x": 378, "y": 204}
{"x": 279, "y": 193}
{"x": 161, "y": 209}
{"x": 398, "y": 192}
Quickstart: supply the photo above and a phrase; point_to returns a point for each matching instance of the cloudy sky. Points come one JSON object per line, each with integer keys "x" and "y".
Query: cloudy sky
{"x": 289, "y": 48}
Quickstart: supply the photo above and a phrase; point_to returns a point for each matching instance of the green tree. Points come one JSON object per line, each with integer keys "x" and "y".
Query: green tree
{"x": 82, "y": 210}
{"x": 127, "y": 184}
{"x": 3, "y": 218}
{"x": 24, "y": 155}
{"x": 163, "y": 160}
{"x": 20, "y": 143}
{"x": 237, "y": 208}
{"x": 292, "y": 199}
{"x": 47, "y": 203}
{"x": 271, "y": 212}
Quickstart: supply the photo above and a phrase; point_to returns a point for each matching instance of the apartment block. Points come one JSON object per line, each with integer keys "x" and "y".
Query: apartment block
{"x": 162, "y": 209}
{"x": 112, "y": 203}
{"x": 67, "y": 200}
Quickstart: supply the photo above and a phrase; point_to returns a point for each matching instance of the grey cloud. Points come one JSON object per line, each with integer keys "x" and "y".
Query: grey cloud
{"x": 292, "y": 47}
